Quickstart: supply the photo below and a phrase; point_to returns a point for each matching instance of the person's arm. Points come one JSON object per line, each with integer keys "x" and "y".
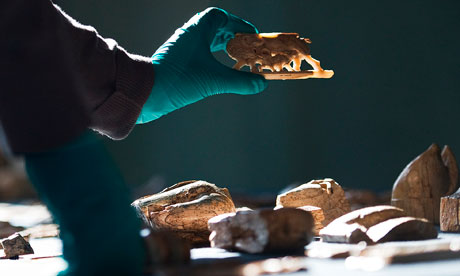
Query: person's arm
{"x": 59, "y": 77}
{"x": 116, "y": 83}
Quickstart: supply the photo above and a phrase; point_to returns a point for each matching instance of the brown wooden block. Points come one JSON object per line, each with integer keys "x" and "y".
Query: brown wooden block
{"x": 420, "y": 186}
{"x": 402, "y": 229}
{"x": 185, "y": 209}
{"x": 15, "y": 245}
{"x": 325, "y": 194}
{"x": 352, "y": 227}
{"x": 377, "y": 224}
{"x": 450, "y": 213}
{"x": 285, "y": 229}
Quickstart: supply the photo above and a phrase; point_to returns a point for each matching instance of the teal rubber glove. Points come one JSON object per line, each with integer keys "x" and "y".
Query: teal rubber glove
{"x": 87, "y": 196}
{"x": 186, "y": 71}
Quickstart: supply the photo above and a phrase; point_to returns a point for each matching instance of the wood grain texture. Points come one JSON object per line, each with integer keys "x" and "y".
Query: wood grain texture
{"x": 449, "y": 213}
{"x": 185, "y": 209}
{"x": 420, "y": 186}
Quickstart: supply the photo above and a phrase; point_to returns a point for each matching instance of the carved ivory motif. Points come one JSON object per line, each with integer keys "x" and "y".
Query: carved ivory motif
{"x": 275, "y": 52}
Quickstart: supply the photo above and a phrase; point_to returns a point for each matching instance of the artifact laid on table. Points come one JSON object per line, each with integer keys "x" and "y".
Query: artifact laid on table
{"x": 275, "y": 52}
{"x": 185, "y": 209}
{"x": 318, "y": 217}
{"x": 377, "y": 224}
{"x": 265, "y": 230}
{"x": 449, "y": 219}
{"x": 15, "y": 245}
{"x": 420, "y": 186}
{"x": 325, "y": 194}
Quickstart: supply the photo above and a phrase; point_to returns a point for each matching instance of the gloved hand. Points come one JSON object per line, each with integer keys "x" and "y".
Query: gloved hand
{"x": 186, "y": 71}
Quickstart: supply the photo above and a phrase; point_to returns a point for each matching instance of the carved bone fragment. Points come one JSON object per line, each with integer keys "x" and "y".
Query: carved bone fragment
{"x": 275, "y": 52}
{"x": 185, "y": 209}
{"x": 420, "y": 186}
{"x": 286, "y": 229}
{"x": 325, "y": 194}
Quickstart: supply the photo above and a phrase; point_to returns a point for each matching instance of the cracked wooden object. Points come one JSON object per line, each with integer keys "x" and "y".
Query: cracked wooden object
{"x": 15, "y": 245}
{"x": 449, "y": 219}
{"x": 325, "y": 194}
{"x": 318, "y": 217}
{"x": 285, "y": 229}
{"x": 377, "y": 224}
{"x": 275, "y": 52}
{"x": 420, "y": 186}
{"x": 185, "y": 209}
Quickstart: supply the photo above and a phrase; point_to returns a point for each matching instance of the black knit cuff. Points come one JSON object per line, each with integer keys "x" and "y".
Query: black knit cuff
{"x": 117, "y": 116}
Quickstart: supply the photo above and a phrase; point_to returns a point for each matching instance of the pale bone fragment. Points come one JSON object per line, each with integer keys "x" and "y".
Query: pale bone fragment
{"x": 15, "y": 245}
{"x": 377, "y": 224}
{"x": 185, "y": 208}
{"x": 275, "y": 52}
{"x": 420, "y": 186}
{"x": 286, "y": 229}
{"x": 325, "y": 194}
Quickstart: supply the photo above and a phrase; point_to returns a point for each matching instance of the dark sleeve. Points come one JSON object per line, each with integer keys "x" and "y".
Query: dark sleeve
{"x": 58, "y": 77}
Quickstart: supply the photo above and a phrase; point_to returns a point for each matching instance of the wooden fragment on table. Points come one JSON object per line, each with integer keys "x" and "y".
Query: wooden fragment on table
{"x": 420, "y": 186}
{"x": 318, "y": 217}
{"x": 450, "y": 213}
{"x": 285, "y": 229}
{"x": 402, "y": 229}
{"x": 325, "y": 194}
{"x": 352, "y": 227}
{"x": 316, "y": 212}
{"x": 377, "y": 224}
{"x": 15, "y": 245}
{"x": 185, "y": 209}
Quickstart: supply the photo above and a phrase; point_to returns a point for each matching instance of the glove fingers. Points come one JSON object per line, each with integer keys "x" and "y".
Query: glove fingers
{"x": 227, "y": 32}
{"x": 238, "y": 25}
{"x": 240, "y": 82}
{"x": 219, "y": 27}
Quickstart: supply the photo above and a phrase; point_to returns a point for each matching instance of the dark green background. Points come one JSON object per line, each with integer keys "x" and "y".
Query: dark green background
{"x": 395, "y": 91}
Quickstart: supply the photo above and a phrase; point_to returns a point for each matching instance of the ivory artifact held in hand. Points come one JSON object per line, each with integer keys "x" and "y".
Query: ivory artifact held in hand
{"x": 420, "y": 186}
{"x": 275, "y": 52}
